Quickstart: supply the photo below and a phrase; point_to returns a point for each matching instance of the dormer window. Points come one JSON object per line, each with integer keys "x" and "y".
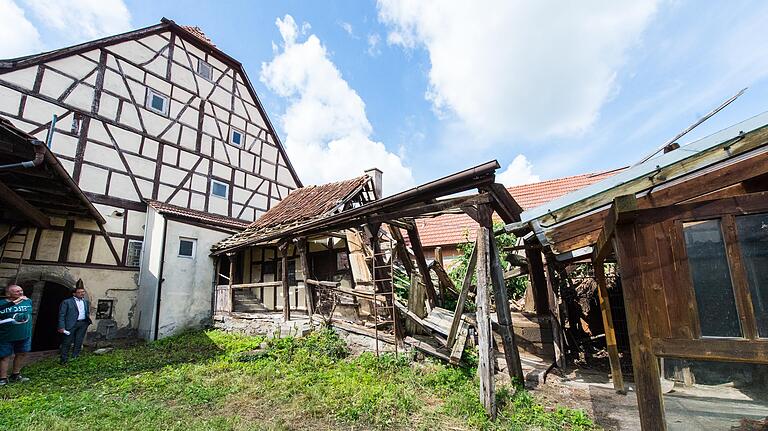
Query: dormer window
{"x": 205, "y": 70}
{"x": 237, "y": 137}
{"x": 157, "y": 102}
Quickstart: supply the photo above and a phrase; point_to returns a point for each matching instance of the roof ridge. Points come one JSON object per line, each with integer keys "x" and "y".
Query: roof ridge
{"x": 563, "y": 179}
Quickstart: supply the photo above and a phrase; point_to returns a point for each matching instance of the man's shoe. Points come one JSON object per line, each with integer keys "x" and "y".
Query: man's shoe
{"x": 17, "y": 378}
{"x": 3, "y": 382}
{"x": 62, "y": 362}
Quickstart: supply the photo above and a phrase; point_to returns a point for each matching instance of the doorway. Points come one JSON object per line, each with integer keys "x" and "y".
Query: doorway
{"x": 45, "y": 335}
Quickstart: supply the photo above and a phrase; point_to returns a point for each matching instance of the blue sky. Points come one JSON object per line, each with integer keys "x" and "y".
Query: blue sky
{"x": 423, "y": 89}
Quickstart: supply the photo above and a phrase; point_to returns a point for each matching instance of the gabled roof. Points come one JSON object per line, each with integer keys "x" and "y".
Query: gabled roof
{"x": 450, "y": 229}
{"x": 191, "y": 34}
{"x": 198, "y": 216}
{"x": 300, "y": 206}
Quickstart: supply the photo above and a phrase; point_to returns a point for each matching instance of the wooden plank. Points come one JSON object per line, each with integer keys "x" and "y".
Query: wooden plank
{"x": 421, "y": 262}
{"x": 644, "y": 362}
{"x": 465, "y": 286}
{"x": 486, "y": 361}
{"x": 655, "y": 302}
{"x": 738, "y": 271}
{"x": 303, "y": 249}
{"x": 712, "y": 349}
{"x": 554, "y": 314}
{"x": 538, "y": 281}
{"x": 361, "y": 271}
{"x": 458, "y": 346}
{"x": 506, "y": 330}
{"x": 504, "y": 204}
{"x": 402, "y": 250}
{"x": 416, "y": 299}
{"x": 610, "y": 333}
{"x": 443, "y": 279}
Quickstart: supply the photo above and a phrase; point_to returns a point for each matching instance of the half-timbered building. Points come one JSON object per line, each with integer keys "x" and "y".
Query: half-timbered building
{"x": 165, "y": 135}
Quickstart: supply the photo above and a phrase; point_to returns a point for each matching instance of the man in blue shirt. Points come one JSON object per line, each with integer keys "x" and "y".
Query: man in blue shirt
{"x": 15, "y": 332}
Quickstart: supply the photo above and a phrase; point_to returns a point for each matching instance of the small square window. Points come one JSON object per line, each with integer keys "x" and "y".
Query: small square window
{"x": 237, "y": 137}
{"x": 133, "y": 257}
{"x": 219, "y": 189}
{"x": 157, "y": 102}
{"x": 187, "y": 247}
{"x": 104, "y": 308}
{"x": 204, "y": 69}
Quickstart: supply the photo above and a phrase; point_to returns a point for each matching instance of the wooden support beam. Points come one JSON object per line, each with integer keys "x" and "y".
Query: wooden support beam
{"x": 284, "y": 279}
{"x": 506, "y": 329}
{"x": 303, "y": 249}
{"x": 538, "y": 281}
{"x": 554, "y": 313}
{"x": 486, "y": 360}
{"x": 229, "y": 304}
{"x": 402, "y": 250}
{"x": 24, "y": 208}
{"x": 504, "y": 204}
{"x": 421, "y": 262}
{"x": 443, "y": 279}
{"x": 610, "y": 333}
{"x": 465, "y": 286}
{"x": 617, "y": 214}
{"x": 644, "y": 362}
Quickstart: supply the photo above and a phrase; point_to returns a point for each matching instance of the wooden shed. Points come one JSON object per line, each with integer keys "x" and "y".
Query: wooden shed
{"x": 689, "y": 233}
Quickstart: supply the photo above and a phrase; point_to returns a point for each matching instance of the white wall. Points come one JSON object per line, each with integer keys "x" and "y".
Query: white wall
{"x": 150, "y": 273}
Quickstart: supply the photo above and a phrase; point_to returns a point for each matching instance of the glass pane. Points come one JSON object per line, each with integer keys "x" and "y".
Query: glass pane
{"x": 711, "y": 279}
{"x": 186, "y": 247}
{"x": 219, "y": 189}
{"x": 753, "y": 241}
{"x": 157, "y": 102}
{"x": 236, "y": 137}
{"x": 715, "y": 395}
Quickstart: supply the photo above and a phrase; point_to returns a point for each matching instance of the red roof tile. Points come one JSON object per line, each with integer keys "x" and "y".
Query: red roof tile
{"x": 200, "y": 216}
{"x": 198, "y": 33}
{"x": 458, "y": 228}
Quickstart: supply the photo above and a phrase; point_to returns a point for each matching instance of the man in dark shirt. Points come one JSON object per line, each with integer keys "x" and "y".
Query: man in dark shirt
{"x": 15, "y": 332}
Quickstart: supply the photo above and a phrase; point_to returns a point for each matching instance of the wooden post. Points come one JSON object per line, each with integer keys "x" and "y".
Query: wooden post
{"x": 486, "y": 365}
{"x": 421, "y": 262}
{"x": 644, "y": 364}
{"x": 438, "y": 255}
{"x": 506, "y": 330}
{"x": 415, "y": 304}
{"x": 465, "y": 286}
{"x": 538, "y": 281}
{"x": 284, "y": 278}
{"x": 302, "y": 246}
{"x": 402, "y": 250}
{"x": 554, "y": 313}
{"x": 230, "y": 292}
{"x": 610, "y": 334}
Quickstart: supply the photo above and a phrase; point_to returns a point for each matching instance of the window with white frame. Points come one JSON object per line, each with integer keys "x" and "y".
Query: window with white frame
{"x": 219, "y": 189}
{"x": 187, "y": 247}
{"x": 133, "y": 257}
{"x": 204, "y": 69}
{"x": 157, "y": 102}
{"x": 237, "y": 137}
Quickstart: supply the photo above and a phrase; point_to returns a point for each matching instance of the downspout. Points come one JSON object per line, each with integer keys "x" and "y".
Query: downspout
{"x": 160, "y": 279}
{"x": 40, "y": 148}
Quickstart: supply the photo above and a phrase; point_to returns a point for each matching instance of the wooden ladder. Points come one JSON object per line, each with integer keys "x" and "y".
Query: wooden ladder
{"x": 12, "y": 254}
{"x": 381, "y": 276}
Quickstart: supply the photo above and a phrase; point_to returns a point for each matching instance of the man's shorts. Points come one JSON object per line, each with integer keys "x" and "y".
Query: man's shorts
{"x": 8, "y": 348}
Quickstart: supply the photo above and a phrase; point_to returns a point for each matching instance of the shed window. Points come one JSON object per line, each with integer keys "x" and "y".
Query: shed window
{"x": 711, "y": 278}
{"x": 133, "y": 257}
{"x": 187, "y": 247}
{"x": 219, "y": 189}
{"x": 753, "y": 243}
{"x": 237, "y": 137}
{"x": 157, "y": 102}
{"x": 204, "y": 69}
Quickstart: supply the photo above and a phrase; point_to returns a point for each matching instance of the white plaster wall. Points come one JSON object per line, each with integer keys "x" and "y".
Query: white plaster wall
{"x": 188, "y": 287}
{"x": 149, "y": 274}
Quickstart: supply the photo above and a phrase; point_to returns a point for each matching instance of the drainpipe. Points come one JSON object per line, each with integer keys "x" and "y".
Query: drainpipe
{"x": 40, "y": 148}
{"x": 160, "y": 279}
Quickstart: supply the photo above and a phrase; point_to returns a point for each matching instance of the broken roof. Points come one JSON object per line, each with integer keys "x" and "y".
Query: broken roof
{"x": 300, "y": 206}
{"x": 199, "y": 216}
{"x": 449, "y": 229}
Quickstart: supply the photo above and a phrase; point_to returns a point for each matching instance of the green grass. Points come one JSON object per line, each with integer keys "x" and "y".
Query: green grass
{"x": 213, "y": 381}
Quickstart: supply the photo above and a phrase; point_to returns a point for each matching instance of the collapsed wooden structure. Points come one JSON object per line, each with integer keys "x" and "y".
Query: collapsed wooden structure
{"x": 342, "y": 237}
{"x": 689, "y": 232}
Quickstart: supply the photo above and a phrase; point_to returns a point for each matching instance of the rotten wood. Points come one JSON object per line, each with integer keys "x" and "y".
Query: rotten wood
{"x": 421, "y": 262}
{"x": 486, "y": 361}
{"x": 610, "y": 333}
{"x": 506, "y": 329}
{"x": 465, "y": 287}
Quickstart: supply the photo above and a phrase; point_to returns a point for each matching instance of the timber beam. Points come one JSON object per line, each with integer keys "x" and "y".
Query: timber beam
{"x": 17, "y": 203}
{"x": 619, "y": 213}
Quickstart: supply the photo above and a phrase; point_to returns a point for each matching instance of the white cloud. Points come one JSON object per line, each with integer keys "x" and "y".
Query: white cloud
{"x": 18, "y": 35}
{"x": 373, "y": 44}
{"x": 347, "y": 28}
{"x": 327, "y": 130}
{"x": 520, "y": 171}
{"x": 81, "y": 20}
{"x": 531, "y": 69}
